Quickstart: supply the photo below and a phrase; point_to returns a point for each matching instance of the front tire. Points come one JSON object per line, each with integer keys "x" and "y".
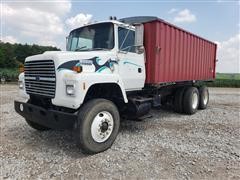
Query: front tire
{"x": 97, "y": 126}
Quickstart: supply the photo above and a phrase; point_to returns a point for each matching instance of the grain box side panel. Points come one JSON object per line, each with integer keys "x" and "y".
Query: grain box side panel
{"x": 215, "y": 60}
{"x": 168, "y": 52}
{"x": 159, "y": 35}
{"x": 191, "y": 73}
{"x": 181, "y": 56}
{"x": 171, "y": 58}
{"x": 178, "y": 55}
{"x": 184, "y": 59}
{"x": 195, "y": 63}
{"x": 198, "y": 61}
{"x": 205, "y": 62}
{"x": 175, "y": 48}
{"x": 149, "y": 44}
{"x": 174, "y": 55}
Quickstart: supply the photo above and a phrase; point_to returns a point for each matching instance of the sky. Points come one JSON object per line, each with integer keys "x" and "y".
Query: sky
{"x": 49, "y": 22}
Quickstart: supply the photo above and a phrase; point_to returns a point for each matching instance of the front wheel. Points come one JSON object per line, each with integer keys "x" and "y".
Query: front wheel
{"x": 97, "y": 126}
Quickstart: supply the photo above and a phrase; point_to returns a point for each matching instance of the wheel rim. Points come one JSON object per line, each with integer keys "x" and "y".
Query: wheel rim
{"x": 205, "y": 97}
{"x": 102, "y": 126}
{"x": 194, "y": 101}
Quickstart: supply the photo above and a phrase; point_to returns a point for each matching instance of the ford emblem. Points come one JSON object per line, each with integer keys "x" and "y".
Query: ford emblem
{"x": 37, "y": 78}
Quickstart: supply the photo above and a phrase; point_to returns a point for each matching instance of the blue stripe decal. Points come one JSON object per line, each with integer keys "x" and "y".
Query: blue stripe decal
{"x": 101, "y": 69}
{"x": 127, "y": 62}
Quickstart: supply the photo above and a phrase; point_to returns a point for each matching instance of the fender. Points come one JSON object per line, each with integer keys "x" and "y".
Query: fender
{"x": 82, "y": 83}
{"x": 93, "y": 79}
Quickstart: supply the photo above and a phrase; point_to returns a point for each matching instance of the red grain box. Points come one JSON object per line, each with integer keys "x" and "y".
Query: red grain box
{"x": 176, "y": 55}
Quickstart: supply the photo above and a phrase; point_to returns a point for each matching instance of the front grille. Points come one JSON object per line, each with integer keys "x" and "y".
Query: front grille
{"x": 40, "y": 78}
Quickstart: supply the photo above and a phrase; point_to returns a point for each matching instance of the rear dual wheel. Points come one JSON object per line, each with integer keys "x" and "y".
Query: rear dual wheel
{"x": 189, "y": 99}
{"x": 178, "y": 99}
{"x": 204, "y": 97}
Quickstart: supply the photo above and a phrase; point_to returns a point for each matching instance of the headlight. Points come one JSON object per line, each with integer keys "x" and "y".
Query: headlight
{"x": 20, "y": 84}
{"x": 70, "y": 90}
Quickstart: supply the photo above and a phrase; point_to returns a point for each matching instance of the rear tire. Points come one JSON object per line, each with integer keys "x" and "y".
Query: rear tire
{"x": 178, "y": 100}
{"x": 203, "y": 97}
{"x": 97, "y": 126}
{"x": 190, "y": 100}
{"x": 37, "y": 126}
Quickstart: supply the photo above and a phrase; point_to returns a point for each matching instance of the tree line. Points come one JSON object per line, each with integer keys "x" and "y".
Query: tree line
{"x": 12, "y": 55}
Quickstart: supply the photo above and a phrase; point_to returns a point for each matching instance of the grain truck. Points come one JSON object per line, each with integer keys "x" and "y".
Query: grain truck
{"x": 113, "y": 70}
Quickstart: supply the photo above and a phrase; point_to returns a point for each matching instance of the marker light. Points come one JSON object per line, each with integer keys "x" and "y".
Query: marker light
{"x": 77, "y": 69}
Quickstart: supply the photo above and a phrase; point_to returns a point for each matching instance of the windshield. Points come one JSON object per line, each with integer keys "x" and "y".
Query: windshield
{"x": 92, "y": 37}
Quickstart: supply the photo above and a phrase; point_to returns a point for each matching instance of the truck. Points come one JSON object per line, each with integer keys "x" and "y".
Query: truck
{"x": 111, "y": 70}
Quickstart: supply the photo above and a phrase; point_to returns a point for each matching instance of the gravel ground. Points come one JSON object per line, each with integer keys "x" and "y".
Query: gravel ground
{"x": 166, "y": 146}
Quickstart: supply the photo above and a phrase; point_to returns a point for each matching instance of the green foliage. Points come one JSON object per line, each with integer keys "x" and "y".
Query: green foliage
{"x": 13, "y": 54}
{"x": 9, "y": 74}
{"x": 7, "y": 58}
{"x": 225, "y": 80}
{"x": 228, "y": 76}
{"x": 225, "y": 83}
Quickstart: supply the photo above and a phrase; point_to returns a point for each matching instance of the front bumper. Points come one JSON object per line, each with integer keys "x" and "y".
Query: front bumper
{"x": 46, "y": 117}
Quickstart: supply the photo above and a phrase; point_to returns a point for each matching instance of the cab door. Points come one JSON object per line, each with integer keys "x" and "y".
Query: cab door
{"x": 131, "y": 64}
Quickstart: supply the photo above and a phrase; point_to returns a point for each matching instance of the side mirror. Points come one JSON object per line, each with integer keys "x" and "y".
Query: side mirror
{"x": 139, "y": 30}
{"x": 140, "y": 49}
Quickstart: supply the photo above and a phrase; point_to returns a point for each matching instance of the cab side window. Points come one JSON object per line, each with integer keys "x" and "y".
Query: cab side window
{"x": 126, "y": 39}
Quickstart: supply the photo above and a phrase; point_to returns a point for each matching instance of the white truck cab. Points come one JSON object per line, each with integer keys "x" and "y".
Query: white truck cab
{"x": 104, "y": 52}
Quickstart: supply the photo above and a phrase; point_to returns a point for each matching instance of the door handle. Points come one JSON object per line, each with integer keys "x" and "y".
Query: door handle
{"x": 139, "y": 70}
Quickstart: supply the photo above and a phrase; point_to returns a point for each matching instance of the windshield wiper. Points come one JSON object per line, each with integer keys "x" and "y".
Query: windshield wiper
{"x": 79, "y": 48}
{"x": 99, "y": 49}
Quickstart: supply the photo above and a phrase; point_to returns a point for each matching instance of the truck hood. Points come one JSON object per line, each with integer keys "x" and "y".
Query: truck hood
{"x": 91, "y": 61}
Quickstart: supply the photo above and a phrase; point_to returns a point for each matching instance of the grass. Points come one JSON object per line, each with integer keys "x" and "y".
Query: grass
{"x": 224, "y": 83}
{"x": 235, "y": 76}
{"x": 9, "y": 74}
{"x": 225, "y": 80}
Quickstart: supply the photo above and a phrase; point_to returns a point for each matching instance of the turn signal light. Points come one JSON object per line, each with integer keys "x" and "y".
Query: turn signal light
{"x": 77, "y": 69}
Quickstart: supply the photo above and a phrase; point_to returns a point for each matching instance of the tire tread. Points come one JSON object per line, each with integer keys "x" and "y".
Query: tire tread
{"x": 84, "y": 114}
